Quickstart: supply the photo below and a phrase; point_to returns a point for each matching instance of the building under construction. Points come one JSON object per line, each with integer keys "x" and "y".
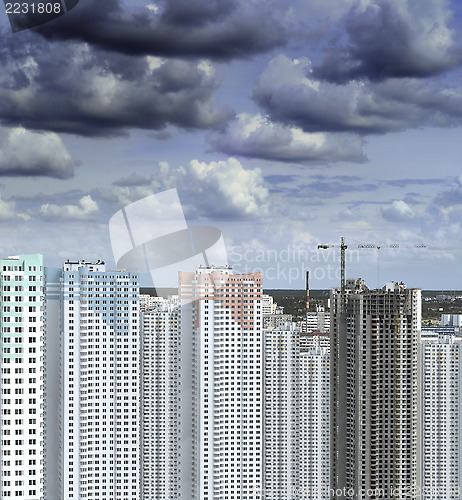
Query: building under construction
{"x": 374, "y": 390}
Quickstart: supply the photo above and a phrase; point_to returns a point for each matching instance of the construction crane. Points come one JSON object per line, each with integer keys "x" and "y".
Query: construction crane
{"x": 392, "y": 245}
{"x": 343, "y": 247}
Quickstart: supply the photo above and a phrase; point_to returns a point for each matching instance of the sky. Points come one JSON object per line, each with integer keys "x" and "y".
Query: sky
{"x": 284, "y": 124}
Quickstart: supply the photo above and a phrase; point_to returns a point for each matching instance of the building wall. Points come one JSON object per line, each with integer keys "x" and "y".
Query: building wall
{"x": 101, "y": 372}
{"x": 296, "y": 402}
{"x": 441, "y": 363}
{"x": 21, "y": 382}
{"x": 160, "y": 445}
{"x": 451, "y": 320}
{"x": 317, "y": 321}
{"x": 374, "y": 427}
{"x": 281, "y": 412}
{"x": 313, "y": 431}
{"x": 221, "y": 315}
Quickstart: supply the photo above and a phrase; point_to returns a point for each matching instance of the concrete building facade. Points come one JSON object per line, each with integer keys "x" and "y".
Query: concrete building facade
{"x": 296, "y": 417}
{"x": 92, "y": 322}
{"x": 374, "y": 384}
{"x": 22, "y": 447}
{"x": 441, "y": 383}
{"x": 160, "y": 397}
{"x": 221, "y": 370}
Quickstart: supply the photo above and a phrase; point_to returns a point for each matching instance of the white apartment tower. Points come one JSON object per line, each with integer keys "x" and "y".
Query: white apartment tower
{"x": 160, "y": 444}
{"x": 22, "y": 371}
{"x": 296, "y": 417}
{"x": 374, "y": 400}
{"x": 281, "y": 412}
{"x": 93, "y": 314}
{"x": 313, "y": 429}
{"x": 441, "y": 384}
{"x": 220, "y": 353}
{"x": 318, "y": 321}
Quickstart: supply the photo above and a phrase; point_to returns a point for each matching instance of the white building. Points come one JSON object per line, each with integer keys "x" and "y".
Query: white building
{"x": 148, "y": 302}
{"x": 268, "y": 306}
{"x": 221, "y": 381}
{"x": 314, "y": 339}
{"x": 22, "y": 370}
{"x": 160, "y": 443}
{"x": 441, "y": 368}
{"x": 374, "y": 383}
{"x": 318, "y": 321}
{"x": 281, "y": 412}
{"x": 313, "y": 430}
{"x": 92, "y": 314}
{"x": 451, "y": 320}
{"x": 296, "y": 416}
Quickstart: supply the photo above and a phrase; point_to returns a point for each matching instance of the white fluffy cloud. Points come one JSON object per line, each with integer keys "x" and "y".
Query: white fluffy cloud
{"x": 255, "y": 136}
{"x": 226, "y": 188}
{"x": 397, "y": 211}
{"x": 7, "y": 209}
{"x": 25, "y": 153}
{"x": 85, "y": 209}
{"x": 222, "y": 188}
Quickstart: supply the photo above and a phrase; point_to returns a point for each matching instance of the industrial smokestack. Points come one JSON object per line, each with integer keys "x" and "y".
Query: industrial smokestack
{"x": 307, "y": 291}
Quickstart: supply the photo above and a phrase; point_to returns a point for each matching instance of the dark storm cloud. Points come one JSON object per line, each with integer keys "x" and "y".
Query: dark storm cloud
{"x": 392, "y": 38}
{"x": 95, "y": 93}
{"x": 287, "y": 92}
{"x": 216, "y": 29}
{"x": 194, "y": 13}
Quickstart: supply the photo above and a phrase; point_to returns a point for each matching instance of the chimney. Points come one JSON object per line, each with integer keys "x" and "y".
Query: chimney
{"x": 307, "y": 291}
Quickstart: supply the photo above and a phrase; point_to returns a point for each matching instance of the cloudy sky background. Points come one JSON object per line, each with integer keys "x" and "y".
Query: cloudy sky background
{"x": 283, "y": 123}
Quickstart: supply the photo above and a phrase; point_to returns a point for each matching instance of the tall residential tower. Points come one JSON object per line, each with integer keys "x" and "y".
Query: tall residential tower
{"x": 221, "y": 380}
{"x": 160, "y": 396}
{"x": 92, "y": 314}
{"x": 22, "y": 371}
{"x": 374, "y": 399}
{"x": 441, "y": 437}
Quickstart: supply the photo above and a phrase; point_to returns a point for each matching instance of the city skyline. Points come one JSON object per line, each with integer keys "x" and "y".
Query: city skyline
{"x": 283, "y": 124}
{"x": 218, "y": 393}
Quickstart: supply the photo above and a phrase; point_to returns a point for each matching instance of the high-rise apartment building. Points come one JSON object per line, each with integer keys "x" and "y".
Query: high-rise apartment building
{"x": 149, "y": 302}
{"x": 22, "y": 370}
{"x": 317, "y": 321}
{"x": 92, "y": 315}
{"x": 296, "y": 417}
{"x": 374, "y": 400}
{"x": 454, "y": 320}
{"x": 441, "y": 438}
{"x": 268, "y": 306}
{"x": 220, "y": 377}
{"x": 282, "y": 412}
{"x": 160, "y": 392}
{"x": 313, "y": 429}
